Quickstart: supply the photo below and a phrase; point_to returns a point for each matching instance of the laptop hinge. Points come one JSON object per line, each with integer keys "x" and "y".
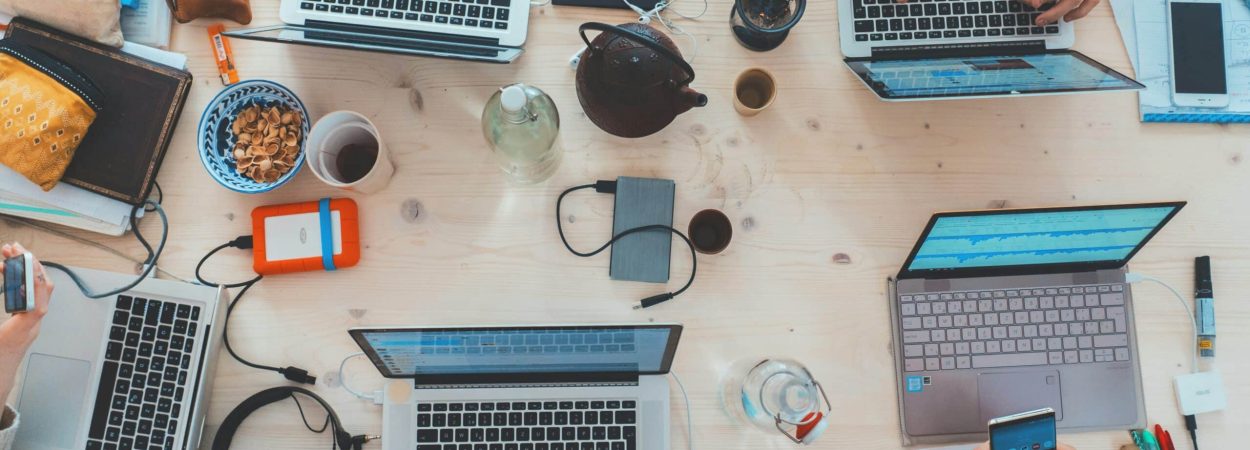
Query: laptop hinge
{"x": 401, "y": 33}
{"x": 935, "y": 51}
{"x": 524, "y": 380}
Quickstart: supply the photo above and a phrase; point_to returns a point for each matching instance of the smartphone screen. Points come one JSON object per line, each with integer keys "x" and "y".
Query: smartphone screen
{"x": 15, "y": 283}
{"x": 1029, "y": 433}
{"x": 1198, "y": 48}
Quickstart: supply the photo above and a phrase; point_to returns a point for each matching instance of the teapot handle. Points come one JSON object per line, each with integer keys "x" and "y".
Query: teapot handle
{"x": 648, "y": 42}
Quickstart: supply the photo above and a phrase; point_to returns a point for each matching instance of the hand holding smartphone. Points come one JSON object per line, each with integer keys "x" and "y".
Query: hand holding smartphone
{"x": 19, "y": 283}
{"x": 1196, "y": 43}
{"x": 1033, "y": 430}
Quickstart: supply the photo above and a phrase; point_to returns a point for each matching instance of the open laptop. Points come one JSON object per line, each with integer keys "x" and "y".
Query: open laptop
{"x": 926, "y": 50}
{"x": 553, "y": 387}
{"x": 128, "y": 372}
{"x": 475, "y": 30}
{"x": 1002, "y": 311}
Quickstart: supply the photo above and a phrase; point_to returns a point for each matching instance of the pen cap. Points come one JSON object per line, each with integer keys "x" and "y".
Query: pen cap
{"x": 1202, "y": 276}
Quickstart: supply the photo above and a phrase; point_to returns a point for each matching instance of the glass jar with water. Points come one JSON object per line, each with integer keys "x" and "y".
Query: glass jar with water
{"x": 521, "y": 124}
{"x": 777, "y": 395}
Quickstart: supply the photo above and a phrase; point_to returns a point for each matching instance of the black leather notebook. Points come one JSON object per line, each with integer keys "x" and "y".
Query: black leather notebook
{"x": 124, "y": 147}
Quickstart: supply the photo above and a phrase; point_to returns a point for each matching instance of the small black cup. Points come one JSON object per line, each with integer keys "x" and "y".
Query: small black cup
{"x": 710, "y": 231}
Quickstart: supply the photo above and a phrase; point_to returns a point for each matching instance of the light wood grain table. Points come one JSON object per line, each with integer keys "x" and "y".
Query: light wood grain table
{"x": 827, "y": 191}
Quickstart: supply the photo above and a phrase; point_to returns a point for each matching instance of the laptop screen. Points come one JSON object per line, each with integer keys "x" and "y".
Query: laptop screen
{"x": 1043, "y": 73}
{"x": 520, "y": 350}
{"x": 1101, "y": 236}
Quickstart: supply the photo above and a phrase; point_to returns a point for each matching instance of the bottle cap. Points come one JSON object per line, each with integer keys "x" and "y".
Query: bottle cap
{"x": 513, "y": 99}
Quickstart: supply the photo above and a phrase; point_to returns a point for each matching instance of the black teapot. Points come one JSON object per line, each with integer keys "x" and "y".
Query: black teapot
{"x": 632, "y": 80}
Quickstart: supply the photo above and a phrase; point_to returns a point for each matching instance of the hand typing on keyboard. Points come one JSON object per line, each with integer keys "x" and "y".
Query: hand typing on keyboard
{"x": 1069, "y": 10}
{"x": 20, "y": 330}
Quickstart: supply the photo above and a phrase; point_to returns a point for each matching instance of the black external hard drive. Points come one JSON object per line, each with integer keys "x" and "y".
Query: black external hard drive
{"x": 642, "y": 256}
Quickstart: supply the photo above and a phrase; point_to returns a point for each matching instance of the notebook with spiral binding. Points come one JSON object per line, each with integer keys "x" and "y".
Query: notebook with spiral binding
{"x": 122, "y": 152}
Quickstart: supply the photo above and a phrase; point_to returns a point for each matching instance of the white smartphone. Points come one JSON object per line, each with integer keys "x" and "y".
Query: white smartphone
{"x": 1196, "y": 43}
{"x": 1033, "y": 430}
{"x": 19, "y": 283}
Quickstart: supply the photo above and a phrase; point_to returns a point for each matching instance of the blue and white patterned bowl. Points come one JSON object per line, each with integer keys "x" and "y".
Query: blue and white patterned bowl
{"x": 216, "y": 141}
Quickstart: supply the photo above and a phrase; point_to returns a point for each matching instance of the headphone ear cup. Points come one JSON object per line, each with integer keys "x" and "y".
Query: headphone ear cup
{"x": 816, "y": 424}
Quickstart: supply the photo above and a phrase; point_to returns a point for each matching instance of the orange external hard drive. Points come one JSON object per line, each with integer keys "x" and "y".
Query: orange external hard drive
{"x": 302, "y": 237}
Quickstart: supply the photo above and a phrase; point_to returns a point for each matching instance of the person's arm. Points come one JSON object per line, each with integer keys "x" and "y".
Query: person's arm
{"x": 16, "y": 335}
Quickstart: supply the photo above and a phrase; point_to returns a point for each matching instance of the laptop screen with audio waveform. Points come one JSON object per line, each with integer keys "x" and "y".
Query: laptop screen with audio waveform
{"x": 1049, "y": 237}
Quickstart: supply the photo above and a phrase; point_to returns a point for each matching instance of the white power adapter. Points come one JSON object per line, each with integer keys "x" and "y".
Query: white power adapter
{"x": 1201, "y": 392}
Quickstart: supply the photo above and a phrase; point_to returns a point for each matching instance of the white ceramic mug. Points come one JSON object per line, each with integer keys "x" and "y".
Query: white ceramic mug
{"x": 337, "y": 130}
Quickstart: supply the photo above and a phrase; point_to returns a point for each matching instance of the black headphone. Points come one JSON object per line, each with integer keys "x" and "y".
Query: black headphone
{"x": 342, "y": 439}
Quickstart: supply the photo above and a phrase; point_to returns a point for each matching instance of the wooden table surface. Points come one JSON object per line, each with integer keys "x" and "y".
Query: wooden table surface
{"x": 827, "y": 191}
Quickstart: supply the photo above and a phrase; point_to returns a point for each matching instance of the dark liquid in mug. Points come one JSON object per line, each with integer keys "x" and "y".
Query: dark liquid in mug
{"x": 355, "y": 161}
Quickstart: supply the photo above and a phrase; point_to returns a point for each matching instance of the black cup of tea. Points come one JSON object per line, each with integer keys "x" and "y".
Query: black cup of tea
{"x": 710, "y": 231}
{"x": 762, "y": 25}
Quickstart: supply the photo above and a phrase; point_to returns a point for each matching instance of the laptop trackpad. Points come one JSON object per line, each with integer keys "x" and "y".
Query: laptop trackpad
{"x": 53, "y": 392}
{"x": 1004, "y": 394}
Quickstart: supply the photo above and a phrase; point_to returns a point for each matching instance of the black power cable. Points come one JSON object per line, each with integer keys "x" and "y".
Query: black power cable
{"x": 609, "y": 187}
{"x": 245, "y": 243}
{"x": 149, "y": 263}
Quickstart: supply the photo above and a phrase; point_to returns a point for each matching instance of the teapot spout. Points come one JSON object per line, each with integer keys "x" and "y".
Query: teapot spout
{"x": 690, "y": 98}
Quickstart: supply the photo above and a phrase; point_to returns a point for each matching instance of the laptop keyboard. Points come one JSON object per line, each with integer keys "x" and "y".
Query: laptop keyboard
{"x": 492, "y": 14}
{"x": 886, "y": 20}
{"x": 1012, "y": 328}
{"x": 144, "y": 375}
{"x": 549, "y": 425}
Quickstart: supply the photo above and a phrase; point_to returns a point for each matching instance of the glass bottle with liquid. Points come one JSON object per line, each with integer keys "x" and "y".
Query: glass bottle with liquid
{"x": 521, "y": 124}
{"x": 776, "y": 395}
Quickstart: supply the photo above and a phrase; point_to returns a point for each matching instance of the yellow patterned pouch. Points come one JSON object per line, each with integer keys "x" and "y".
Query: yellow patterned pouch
{"x": 46, "y": 108}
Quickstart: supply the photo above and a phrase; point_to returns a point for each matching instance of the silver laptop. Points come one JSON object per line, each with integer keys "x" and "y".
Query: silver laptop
{"x": 543, "y": 387}
{"x": 998, "y": 312}
{"x": 475, "y": 30}
{"x": 926, "y": 50}
{"x": 128, "y": 372}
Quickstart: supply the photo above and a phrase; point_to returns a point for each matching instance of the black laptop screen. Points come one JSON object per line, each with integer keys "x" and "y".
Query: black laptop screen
{"x": 972, "y": 76}
{"x": 1102, "y": 236}
{"x": 522, "y": 350}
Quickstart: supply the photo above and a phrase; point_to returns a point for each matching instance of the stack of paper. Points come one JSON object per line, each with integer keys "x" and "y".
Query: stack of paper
{"x": 148, "y": 23}
{"x": 1143, "y": 25}
{"x": 69, "y": 205}
{"x": 64, "y": 204}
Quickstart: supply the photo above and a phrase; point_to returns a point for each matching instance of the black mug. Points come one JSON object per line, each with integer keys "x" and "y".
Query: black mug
{"x": 710, "y": 231}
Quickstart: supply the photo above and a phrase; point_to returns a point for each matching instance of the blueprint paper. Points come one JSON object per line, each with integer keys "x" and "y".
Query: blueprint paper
{"x": 1153, "y": 65}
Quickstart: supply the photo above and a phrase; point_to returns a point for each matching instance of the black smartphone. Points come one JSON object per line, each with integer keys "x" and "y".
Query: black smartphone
{"x": 1033, "y": 430}
{"x": 19, "y": 283}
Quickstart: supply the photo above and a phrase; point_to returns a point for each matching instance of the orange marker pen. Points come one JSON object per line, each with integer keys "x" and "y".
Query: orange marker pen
{"x": 221, "y": 50}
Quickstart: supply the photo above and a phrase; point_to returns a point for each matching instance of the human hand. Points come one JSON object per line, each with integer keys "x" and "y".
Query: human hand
{"x": 1069, "y": 10}
{"x": 986, "y": 446}
{"x": 20, "y": 330}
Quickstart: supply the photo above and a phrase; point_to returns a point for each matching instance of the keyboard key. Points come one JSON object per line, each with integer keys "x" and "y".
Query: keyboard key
{"x": 1009, "y": 360}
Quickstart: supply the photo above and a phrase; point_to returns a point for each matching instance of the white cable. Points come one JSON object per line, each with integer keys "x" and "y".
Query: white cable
{"x": 376, "y": 397}
{"x": 657, "y": 13}
{"x": 542, "y": 3}
{"x": 1133, "y": 278}
{"x": 689, "y": 414}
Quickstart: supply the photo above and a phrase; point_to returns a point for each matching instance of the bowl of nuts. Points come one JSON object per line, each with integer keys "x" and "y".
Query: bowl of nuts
{"x": 251, "y": 136}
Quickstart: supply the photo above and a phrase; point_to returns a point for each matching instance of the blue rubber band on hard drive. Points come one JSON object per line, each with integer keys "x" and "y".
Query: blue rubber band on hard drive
{"x": 327, "y": 235}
